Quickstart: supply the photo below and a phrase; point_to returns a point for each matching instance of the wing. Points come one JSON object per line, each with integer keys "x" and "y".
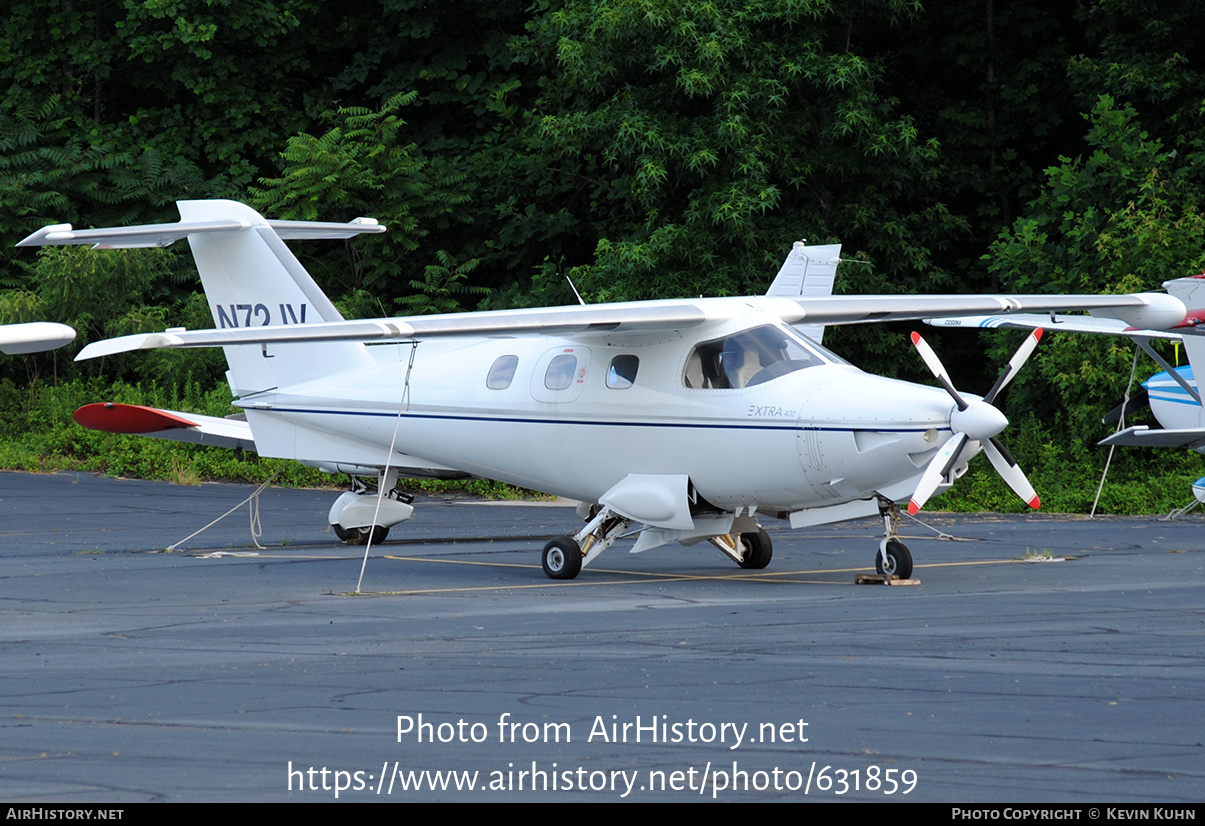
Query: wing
{"x": 33, "y": 337}
{"x": 1151, "y": 310}
{"x": 805, "y": 307}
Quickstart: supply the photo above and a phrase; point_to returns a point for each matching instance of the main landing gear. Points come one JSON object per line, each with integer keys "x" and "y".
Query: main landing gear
{"x": 752, "y": 550}
{"x": 358, "y": 518}
{"x": 565, "y": 556}
{"x": 894, "y": 558}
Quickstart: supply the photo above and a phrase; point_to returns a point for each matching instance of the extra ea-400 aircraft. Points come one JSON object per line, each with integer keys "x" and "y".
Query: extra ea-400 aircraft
{"x": 680, "y": 420}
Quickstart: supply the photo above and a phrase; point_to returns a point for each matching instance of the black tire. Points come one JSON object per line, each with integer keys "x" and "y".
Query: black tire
{"x": 359, "y": 536}
{"x": 562, "y": 558}
{"x": 758, "y": 549}
{"x": 899, "y": 560}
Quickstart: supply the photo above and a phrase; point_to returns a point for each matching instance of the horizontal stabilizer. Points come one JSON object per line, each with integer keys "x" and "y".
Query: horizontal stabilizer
{"x": 165, "y": 424}
{"x": 1144, "y": 436}
{"x": 163, "y": 235}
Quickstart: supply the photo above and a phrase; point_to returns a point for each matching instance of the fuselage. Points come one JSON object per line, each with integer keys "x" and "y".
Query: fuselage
{"x": 1172, "y": 405}
{"x": 573, "y": 416}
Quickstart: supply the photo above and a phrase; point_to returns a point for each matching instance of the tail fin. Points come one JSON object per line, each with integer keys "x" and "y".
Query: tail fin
{"x": 1192, "y": 292}
{"x": 251, "y": 279}
{"x": 809, "y": 271}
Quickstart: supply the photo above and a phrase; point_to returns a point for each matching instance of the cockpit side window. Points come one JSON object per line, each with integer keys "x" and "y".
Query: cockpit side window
{"x": 747, "y": 358}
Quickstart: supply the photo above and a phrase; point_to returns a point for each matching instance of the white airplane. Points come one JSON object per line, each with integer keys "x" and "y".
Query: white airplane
{"x": 1174, "y": 394}
{"x": 678, "y": 420}
{"x": 34, "y": 337}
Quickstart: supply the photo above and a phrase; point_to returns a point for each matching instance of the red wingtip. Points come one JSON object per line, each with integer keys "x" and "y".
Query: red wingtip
{"x": 1034, "y": 503}
{"x": 128, "y": 418}
{"x": 912, "y": 506}
{"x": 915, "y": 336}
{"x": 1037, "y": 334}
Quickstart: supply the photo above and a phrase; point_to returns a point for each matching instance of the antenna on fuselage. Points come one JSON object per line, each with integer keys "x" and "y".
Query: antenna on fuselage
{"x": 575, "y": 292}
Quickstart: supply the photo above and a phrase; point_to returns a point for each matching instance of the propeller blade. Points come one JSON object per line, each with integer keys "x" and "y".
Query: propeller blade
{"x": 939, "y": 468}
{"x": 937, "y": 368}
{"x": 1006, "y": 466}
{"x": 1015, "y": 364}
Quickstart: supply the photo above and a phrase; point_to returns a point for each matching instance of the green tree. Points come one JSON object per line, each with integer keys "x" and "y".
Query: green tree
{"x": 365, "y": 166}
{"x": 1125, "y": 217}
{"x": 704, "y": 137}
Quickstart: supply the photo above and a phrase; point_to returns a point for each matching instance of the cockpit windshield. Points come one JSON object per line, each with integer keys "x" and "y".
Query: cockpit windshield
{"x": 751, "y": 357}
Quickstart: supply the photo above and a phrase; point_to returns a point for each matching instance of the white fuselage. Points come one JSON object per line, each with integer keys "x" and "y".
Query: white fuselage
{"x": 1172, "y": 405}
{"x": 819, "y": 436}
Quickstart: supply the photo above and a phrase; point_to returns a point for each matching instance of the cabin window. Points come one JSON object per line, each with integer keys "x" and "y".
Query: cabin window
{"x": 747, "y": 358}
{"x": 502, "y": 372}
{"x": 622, "y": 373}
{"x": 560, "y": 372}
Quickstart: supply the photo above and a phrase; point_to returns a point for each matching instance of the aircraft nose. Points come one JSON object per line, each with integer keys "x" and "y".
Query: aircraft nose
{"x": 980, "y": 420}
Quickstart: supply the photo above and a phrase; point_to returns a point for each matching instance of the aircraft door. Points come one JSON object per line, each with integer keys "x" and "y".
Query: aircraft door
{"x": 560, "y": 374}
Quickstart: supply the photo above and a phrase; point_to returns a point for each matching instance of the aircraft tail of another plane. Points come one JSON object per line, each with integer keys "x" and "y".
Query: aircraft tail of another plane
{"x": 251, "y": 279}
{"x": 1192, "y": 292}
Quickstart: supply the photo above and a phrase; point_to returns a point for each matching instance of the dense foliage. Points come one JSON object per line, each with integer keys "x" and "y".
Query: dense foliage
{"x": 647, "y": 148}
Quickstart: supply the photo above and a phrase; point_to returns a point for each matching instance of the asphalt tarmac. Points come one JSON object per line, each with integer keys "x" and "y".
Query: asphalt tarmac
{"x": 1041, "y": 659}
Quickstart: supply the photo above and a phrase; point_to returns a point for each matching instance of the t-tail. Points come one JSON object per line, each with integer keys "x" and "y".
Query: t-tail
{"x": 251, "y": 279}
{"x": 1192, "y": 292}
{"x": 1174, "y": 395}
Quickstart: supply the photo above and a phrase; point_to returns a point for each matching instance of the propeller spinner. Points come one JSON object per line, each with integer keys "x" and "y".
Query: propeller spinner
{"x": 975, "y": 420}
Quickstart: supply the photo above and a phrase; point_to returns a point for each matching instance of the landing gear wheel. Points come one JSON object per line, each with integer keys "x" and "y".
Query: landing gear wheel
{"x": 898, "y": 562}
{"x": 359, "y": 536}
{"x": 562, "y": 558}
{"x": 758, "y": 549}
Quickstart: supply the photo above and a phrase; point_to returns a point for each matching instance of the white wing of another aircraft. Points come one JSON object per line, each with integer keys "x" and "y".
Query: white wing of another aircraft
{"x": 1055, "y": 323}
{"x": 34, "y": 337}
{"x": 680, "y": 420}
{"x": 1173, "y": 395}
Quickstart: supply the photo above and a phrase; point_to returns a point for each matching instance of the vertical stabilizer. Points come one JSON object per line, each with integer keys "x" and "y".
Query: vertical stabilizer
{"x": 251, "y": 279}
{"x": 1192, "y": 292}
{"x": 808, "y": 272}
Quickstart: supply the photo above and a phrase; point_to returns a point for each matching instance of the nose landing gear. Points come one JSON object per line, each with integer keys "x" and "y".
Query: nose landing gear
{"x": 894, "y": 558}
